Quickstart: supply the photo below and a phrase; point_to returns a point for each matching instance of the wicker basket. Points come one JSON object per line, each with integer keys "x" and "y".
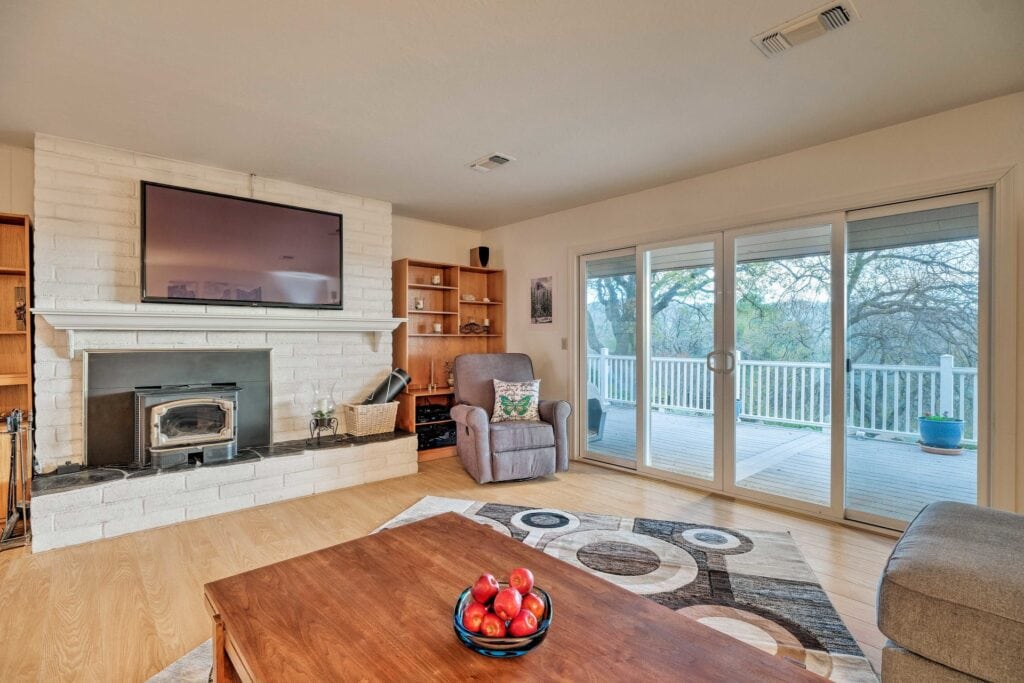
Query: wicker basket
{"x": 363, "y": 420}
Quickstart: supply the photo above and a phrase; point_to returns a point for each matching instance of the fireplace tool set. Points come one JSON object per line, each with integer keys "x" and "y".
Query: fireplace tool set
{"x": 17, "y": 504}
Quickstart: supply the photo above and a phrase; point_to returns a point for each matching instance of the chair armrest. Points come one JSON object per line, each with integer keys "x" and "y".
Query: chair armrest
{"x": 471, "y": 416}
{"x": 472, "y": 440}
{"x": 554, "y": 412}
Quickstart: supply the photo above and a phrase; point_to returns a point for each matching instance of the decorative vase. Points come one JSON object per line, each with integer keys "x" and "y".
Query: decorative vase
{"x": 479, "y": 256}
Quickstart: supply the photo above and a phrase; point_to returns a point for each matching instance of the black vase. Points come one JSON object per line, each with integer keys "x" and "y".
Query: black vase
{"x": 479, "y": 256}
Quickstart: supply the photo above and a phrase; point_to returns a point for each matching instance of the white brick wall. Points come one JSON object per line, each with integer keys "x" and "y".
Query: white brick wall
{"x": 87, "y": 246}
{"x": 120, "y": 507}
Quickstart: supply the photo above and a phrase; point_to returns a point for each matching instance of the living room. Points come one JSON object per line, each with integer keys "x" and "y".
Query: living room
{"x": 323, "y": 326}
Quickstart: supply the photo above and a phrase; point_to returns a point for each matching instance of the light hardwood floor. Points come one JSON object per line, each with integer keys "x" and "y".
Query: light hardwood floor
{"x": 124, "y": 608}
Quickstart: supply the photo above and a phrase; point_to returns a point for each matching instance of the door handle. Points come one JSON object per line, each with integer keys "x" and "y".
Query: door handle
{"x": 713, "y": 367}
{"x": 732, "y": 362}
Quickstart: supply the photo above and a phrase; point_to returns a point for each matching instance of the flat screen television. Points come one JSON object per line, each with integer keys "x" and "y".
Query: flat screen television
{"x": 206, "y": 248}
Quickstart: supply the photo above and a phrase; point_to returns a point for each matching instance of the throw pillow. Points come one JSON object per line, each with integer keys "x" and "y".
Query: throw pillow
{"x": 516, "y": 401}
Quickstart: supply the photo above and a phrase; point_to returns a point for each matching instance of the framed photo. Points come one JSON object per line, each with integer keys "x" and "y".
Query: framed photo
{"x": 542, "y": 300}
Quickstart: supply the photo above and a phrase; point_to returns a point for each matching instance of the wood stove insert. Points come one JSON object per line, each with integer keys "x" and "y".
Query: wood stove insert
{"x": 173, "y": 423}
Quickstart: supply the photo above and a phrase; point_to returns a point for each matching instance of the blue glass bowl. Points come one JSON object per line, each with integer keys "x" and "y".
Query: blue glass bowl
{"x": 509, "y": 646}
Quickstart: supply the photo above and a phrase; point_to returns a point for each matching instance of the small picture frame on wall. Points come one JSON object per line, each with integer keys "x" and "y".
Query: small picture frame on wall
{"x": 542, "y": 297}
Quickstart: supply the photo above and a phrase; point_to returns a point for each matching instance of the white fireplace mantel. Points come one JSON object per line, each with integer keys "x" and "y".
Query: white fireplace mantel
{"x": 71, "y": 321}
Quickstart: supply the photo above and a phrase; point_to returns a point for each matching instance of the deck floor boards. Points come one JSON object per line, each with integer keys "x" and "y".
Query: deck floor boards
{"x": 885, "y": 478}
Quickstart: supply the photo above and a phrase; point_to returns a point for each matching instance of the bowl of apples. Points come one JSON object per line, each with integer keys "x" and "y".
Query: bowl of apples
{"x": 503, "y": 619}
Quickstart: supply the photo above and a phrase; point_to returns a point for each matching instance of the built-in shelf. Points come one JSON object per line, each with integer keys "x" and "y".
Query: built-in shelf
{"x": 464, "y": 336}
{"x": 423, "y": 391}
{"x": 202, "y": 320}
{"x": 13, "y": 380}
{"x": 427, "y": 361}
{"x": 419, "y": 286}
{"x": 5, "y": 270}
{"x": 13, "y": 331}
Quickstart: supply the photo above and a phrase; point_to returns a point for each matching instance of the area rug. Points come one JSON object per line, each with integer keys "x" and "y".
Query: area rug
{"x": 752, "y": 585}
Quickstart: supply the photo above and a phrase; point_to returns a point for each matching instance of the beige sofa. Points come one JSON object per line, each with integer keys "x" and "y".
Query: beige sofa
{"x": 951, "y": 598}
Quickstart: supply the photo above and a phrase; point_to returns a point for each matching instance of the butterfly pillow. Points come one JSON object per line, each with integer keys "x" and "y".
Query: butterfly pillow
{"x": 516, "y": 401}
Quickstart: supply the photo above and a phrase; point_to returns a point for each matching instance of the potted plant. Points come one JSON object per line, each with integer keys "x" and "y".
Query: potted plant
{"x": 940, "y": 432}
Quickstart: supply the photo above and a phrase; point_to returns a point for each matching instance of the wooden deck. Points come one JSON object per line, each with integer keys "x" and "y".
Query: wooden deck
{"x": 883, "y": 477}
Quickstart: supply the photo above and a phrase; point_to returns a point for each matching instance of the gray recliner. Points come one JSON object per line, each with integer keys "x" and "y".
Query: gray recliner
{"x": 502, "y": 451}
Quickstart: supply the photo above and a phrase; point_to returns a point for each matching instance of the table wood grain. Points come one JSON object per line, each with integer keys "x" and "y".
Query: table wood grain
{"x": 380, "y": 608}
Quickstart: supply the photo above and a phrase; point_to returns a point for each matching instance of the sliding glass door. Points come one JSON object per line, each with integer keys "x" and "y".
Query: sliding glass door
{"x": 709, "y": 361}
{"x": 915, "y": 380}
{"x": 608, "y": 294}
{"x": 781, "y": 328}
{"x": 681, "y": 324}
{"x": 800, "y": 363}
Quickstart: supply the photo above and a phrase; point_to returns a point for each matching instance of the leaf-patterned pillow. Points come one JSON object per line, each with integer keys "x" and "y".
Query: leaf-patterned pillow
{"x": 516, "y": 401}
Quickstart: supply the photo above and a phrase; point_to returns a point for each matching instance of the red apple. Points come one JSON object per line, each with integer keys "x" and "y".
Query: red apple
{"x": 492, "y": 626}
{"x": 521, "y": 579}
{"x": 534, "y": 604}
{"x": 524, "y": 624}
{"x": 507, "y": 603}
{"x": 485, "y": 588}
{"x": 473, "y": 615}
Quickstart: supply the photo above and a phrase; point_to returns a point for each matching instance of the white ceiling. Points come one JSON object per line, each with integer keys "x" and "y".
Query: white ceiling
{"x": 391, "y": 99}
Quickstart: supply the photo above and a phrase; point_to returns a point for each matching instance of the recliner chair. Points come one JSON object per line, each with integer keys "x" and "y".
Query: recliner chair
{"x": 504, "y": 451}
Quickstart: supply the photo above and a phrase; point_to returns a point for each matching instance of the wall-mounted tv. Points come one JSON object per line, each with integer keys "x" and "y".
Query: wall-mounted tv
{"x": 206, "y": 248}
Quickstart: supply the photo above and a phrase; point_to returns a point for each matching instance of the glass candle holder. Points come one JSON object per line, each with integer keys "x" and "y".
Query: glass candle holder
{"x": 323, "y": 405}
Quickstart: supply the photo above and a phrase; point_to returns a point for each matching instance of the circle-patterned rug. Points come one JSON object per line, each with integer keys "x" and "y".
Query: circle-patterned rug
{"x": 753, "y": 585}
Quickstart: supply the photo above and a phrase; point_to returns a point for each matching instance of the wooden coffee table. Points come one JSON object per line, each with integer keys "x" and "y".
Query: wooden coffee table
{"x": 380, "y": 608}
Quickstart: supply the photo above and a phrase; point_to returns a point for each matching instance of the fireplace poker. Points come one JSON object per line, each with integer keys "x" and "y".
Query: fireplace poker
{"x": 13, "y": 510}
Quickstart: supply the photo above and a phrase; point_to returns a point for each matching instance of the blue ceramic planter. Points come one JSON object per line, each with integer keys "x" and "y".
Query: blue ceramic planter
{"x": 941, "y": 433}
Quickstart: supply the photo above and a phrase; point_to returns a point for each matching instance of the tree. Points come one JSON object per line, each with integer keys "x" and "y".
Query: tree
{"x": 907, "y": 305}
{"x": 611, "y": 309}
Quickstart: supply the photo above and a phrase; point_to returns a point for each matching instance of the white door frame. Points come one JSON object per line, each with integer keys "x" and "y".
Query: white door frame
{"x": 719, "y": 379}
{"x": 983, "y": 199}
{"x": 582, "y": 431}
{"x": 835, "y": 221}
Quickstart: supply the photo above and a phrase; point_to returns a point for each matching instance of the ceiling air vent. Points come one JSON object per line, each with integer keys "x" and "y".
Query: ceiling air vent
{"x": 805, "y": 27}
{"x": 489, "y": 163}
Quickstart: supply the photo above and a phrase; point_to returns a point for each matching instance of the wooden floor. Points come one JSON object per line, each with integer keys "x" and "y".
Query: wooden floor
{"x": 884, "y": 478}
{"x": 124, "y": 608}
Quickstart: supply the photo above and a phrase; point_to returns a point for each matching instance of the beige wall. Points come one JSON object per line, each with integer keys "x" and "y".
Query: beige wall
{"x": 15, "y": 180}
{"x": 834, "y": 176}
{"x": 413, "y": 238}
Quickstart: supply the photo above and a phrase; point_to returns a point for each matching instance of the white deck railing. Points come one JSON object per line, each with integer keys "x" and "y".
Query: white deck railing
{"x": 881, "y": 399}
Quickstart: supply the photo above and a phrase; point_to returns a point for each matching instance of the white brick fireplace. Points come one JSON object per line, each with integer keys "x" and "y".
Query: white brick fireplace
{"x": 86, "y": 296}
{"x": 87, "y": 246}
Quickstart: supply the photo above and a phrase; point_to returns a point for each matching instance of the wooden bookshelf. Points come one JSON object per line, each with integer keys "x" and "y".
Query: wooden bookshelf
{"x": 417, "y": 346}
{"x": 15, "y": 330}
